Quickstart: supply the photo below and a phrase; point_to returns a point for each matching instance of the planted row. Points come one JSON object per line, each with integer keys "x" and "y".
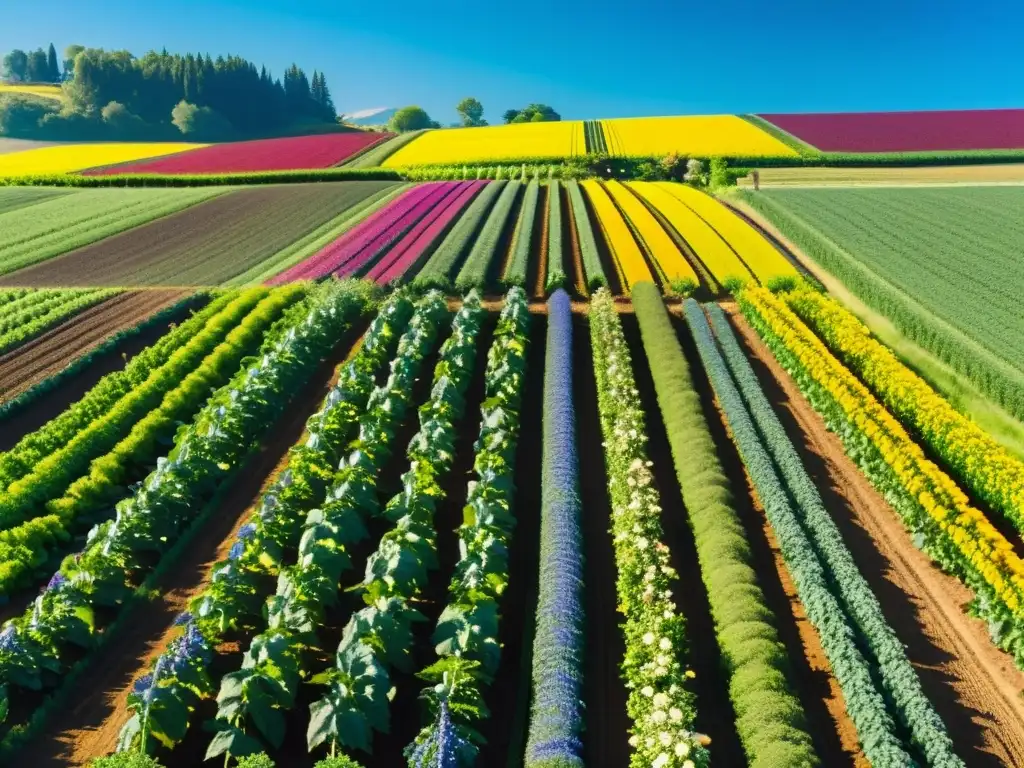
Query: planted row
{"x": 984, "y": 465}
{"x": 661, "y": 708}
{"x": 466, "y": 637}
{"x": 865, "y": 703}
{"x": 378, "y": 639}
{"x": 556, "y": 709}
{"x": 478, "y": 266}
{"x": 522, "y": 239}
{"x": 87, "y": 472}
{"x": 936, "y": 512}
{"x": 38, "y": 648}
{"x": 438, "y": 271}
{"x": 769, "y": 718}
{"x": 593, "y": 272}
{"x": 163, "y": 701}
{"x": 28, "y": 317}
{"x": 882, "y": 647}
{"x": 555, "y": 275}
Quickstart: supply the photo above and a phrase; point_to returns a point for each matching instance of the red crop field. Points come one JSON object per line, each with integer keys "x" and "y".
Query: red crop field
{"x": 293, "y": 153}
{"x": 905, "y": 131}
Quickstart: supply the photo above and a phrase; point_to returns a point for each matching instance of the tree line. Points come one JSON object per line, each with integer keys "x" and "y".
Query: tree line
{"x": 113, "y": 94}
{"x": 471, "y": 113}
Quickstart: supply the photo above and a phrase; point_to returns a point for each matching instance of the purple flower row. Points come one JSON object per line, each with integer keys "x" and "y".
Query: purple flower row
{"x": 414, "y": 246}
{"x": 556, "y": 716}
{"x": 366, "y": 241}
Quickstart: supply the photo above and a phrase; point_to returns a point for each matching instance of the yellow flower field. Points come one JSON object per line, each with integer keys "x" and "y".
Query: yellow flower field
{"x": 691, "y": 135}
{"x": 674, "y": 267}
{"x": 629, "y": 261}
{"x": 707, "y": 244}
{"x": 68, "y": 158}
{"x": 452, "y": 146}
{"x": 958, "y": 532}
{"x": 993, "y": 472}
{"x": 757, "y": 253}
{"x": 44, "y": 91}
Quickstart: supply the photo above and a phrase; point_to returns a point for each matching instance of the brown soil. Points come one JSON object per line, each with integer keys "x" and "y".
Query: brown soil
{"x": 40, "y": 358}
{"x": 973, "y": 686}
{"x": 834, "y": 735}
{"x": 205, "y": 244}
{"x": 96, "y": 713}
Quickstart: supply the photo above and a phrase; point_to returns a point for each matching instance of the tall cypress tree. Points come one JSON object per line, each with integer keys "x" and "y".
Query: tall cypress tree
{"x": 53, "y": 68}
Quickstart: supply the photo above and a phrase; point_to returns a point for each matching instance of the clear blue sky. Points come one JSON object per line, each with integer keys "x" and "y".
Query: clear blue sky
{"x": 587, "y": 58}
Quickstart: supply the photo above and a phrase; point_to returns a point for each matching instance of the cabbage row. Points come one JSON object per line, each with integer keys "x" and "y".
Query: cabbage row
{"x": 661, "y": 708}
{"x": 865, "y": 696}
{"x": 38, "y": 649}
{"x": 466, "y": 637}
{"x": 556, "y": 710}
{"x": 86, "y": 470}
{"x": 378, "y": 639}
{"x": 163, "y": 700}
{"x": 770, "y": 720}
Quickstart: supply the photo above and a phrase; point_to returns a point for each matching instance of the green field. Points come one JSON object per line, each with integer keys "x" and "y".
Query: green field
{"x": 942, "y": 263}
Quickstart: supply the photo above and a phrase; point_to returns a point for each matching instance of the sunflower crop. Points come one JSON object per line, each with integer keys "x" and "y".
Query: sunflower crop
{"x": 492, "y": 143}
{"x": 691, "y": 135}
{"x": 68, "y": 158}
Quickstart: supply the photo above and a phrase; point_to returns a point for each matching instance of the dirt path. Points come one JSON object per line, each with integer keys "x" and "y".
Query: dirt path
{"x": 94, "y": 717}
{"x": 973, "y": 686}
{"x": 54, "y": 350}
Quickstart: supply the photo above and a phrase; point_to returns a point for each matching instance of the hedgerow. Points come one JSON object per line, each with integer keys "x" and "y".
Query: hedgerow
{"x": 770, "y": 719}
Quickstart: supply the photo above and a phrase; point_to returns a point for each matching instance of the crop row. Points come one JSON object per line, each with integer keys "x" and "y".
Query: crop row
{"x": 441, "y": 266}
{"x": 522, "y": 239}
{"x": 935, "y": 511}
{"x": 78, "y": 464}
{"x": 252, "y": 702}
{"x": 483, "y": 253}
{"x": 163, "y": 701}
{"x": 556, "y": 709}
{"x": 673, "y": 268}
{"x": 906, "y": 307}
{"x": 402, "y": 261}
{"x": 901, "y": 686}
{"x": 661, "y": 708}
{"x": 555, "y": 276}
{"x": 865, "y": 703}
{"x": 626, "y": 255}
{"x": 593, "y": 272}
{"x": 984, "y": 465}
{"x": 769, "y": 718}
{"x": 466, "y": 637}
{"x": 28, "y": 317}
{"x": 39, "y": 648}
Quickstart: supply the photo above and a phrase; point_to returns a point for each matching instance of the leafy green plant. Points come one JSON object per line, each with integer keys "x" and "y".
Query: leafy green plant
{"x": 475, "y": 271}
{"x": 593, "y": 272}
{"x": 522, "y": 239}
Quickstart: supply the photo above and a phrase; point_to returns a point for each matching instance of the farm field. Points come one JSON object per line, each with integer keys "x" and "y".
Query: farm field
{"x": 69, "y": 158}
{"x": 293, "y": 153}
{"x": 845, "y": 177}
{"x": 940, "y": 263}
{"x": 500, "y": 142}
{"x": 42, "y": 91}
{"x": 506, "y": 472}
{"x": 906, "y": 131}
{"x": 206, "y": 245}
{"x": 695, "y": 135}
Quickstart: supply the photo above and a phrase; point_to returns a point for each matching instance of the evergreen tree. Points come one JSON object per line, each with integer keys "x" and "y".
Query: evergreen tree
{"x": 52, "y": 67}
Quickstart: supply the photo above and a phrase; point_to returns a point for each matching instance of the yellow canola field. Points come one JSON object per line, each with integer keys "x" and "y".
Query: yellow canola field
{"x": 452, "y": 146}
{"x": 707, "y": 244}
{"x": 43, "y": 91}
{"x": 674, "y": 267}
{"x": 629, "y": 261}
{"x": 757, "y": 253}
{"x": 692, "y": 135}
{"x": 68, "y": 158}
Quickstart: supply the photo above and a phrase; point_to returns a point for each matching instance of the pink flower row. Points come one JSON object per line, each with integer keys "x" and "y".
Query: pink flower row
{"x": 359, "y": 249}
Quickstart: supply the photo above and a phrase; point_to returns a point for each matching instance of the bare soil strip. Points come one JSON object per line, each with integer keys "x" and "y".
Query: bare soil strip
{"x": 36, "y": 360}
{"x": 205, "y": 244}
{"x": 974, "y": 687}
{"x": 96, "y": 713}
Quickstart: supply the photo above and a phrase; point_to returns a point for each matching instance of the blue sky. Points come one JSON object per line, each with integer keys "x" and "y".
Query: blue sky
{"x": 587, "y": 58}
